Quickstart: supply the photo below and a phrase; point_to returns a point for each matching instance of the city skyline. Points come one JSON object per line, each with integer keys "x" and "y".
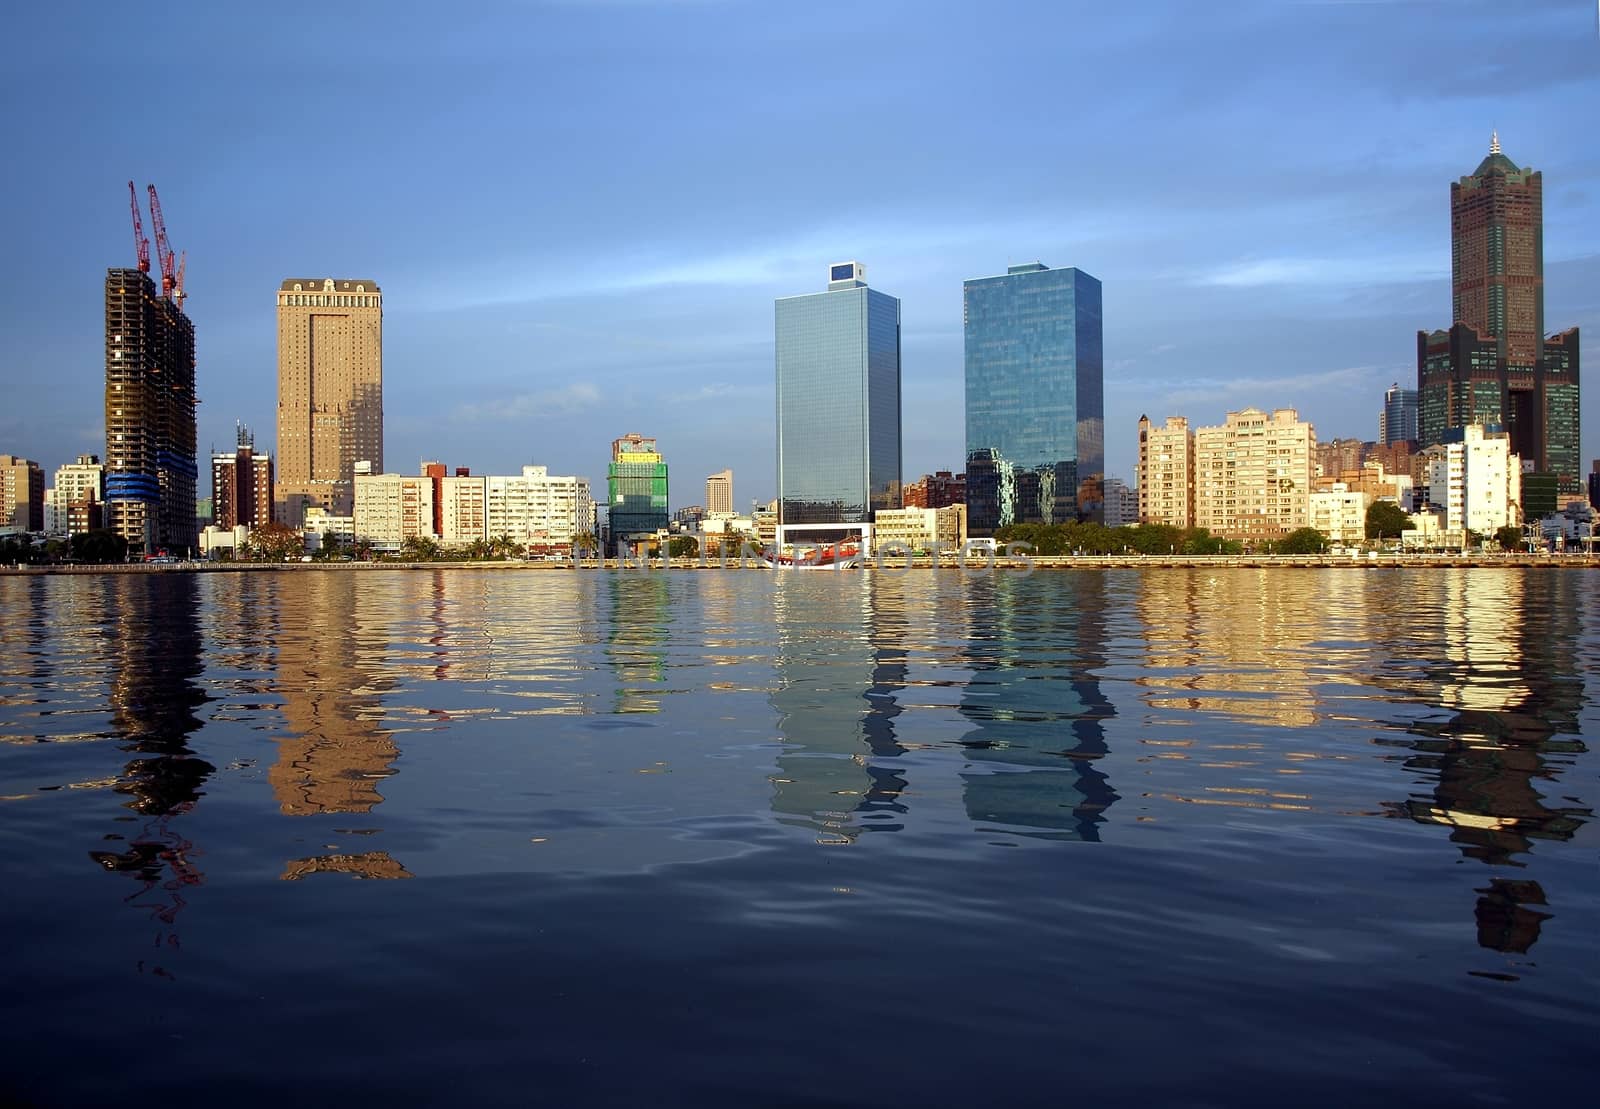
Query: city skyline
{"x": 530, "y": 327}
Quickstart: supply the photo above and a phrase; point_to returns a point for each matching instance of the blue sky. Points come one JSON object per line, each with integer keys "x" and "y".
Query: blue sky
{"x": 581, "y": 212}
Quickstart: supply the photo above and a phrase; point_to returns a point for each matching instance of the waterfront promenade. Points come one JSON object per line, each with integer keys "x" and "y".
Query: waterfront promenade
{"x": 890, "y": 564}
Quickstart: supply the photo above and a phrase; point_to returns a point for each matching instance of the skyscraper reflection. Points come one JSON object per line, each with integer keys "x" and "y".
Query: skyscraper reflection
{"x": 338, "y": 750}
{"x": 1036, "y": 708}
{"x": 636, "y": 640}
{"x": 156, "y": 652}
{"x": 1513, "y": 697}
{"x": 840, "y": 664}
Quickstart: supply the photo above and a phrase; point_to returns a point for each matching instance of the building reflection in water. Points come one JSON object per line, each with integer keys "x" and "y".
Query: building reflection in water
{"x": 338, "y": 750}
{"x": 636, "y": 639}
{"x": 155, "y": 651}
{"x": 1233, "y": 644}
{"x": 1508, "y": 682}
{"x": 841, "y": 663}
{"x": 1037, "y": 710}
{"x": 331, "y": 676}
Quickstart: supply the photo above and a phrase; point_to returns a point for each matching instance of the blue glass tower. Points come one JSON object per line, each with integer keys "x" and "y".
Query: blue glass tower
{"x": 838, "y": 366}
{"x": 1036, "y": 394}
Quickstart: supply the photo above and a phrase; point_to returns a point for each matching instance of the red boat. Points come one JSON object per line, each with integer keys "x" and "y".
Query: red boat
{"x": 842, "y": 556}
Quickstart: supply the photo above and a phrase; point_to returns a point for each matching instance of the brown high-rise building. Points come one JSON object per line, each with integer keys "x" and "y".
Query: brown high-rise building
{"x": 330, "y": 393}
{"x": 241, "y": 485}
{"x": 936, "y": 490}
{"x": 1495, "y": 365}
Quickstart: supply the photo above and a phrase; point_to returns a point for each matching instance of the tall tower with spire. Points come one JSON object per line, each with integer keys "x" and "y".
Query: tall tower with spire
{"x": 1495, "y": 366}
{"x": 1497, "y": 256}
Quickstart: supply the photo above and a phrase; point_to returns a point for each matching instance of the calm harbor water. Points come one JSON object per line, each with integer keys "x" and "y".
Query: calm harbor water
{"x": 1211, "y": 837}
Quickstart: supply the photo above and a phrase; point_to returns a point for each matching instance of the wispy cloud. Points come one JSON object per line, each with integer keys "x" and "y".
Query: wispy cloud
{"x": 1257, "y": 272}
{"x": 567, "y": 400}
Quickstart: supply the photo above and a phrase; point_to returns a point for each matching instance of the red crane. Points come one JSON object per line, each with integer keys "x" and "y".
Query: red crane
{"x": 140, "y": 243}
{"x": 169, "y": 279}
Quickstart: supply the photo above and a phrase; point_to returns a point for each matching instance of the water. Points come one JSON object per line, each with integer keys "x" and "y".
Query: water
{"x": 1212, "y": 837}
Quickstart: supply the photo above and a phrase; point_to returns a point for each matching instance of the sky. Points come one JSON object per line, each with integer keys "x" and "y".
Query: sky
{"x": 580, "y": 213}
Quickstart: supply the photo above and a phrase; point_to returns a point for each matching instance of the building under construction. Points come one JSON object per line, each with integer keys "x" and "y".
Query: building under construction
{"x": 150, "y": 403}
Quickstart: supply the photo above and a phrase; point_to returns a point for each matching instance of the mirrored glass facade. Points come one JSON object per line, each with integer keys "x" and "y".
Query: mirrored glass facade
{"x": 838, "y": 386}
{"x": 1035, "y": 392}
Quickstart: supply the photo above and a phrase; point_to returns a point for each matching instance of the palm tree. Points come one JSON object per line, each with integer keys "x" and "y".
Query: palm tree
{"x": 586, "y": 543}
{"x": 419, "y": 548}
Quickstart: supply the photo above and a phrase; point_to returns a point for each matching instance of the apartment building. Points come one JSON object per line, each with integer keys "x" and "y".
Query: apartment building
{"x": 1253, "y": 474}
{"x": 1165, "y": 472}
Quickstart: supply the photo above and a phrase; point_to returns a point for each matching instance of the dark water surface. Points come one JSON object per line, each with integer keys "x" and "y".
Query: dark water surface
{"x": 1212, "y": 837}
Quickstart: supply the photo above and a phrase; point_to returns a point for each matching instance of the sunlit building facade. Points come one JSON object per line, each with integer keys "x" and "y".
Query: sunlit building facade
{"x": 1253, "y": 474}
{"x": 1165, "y": 473}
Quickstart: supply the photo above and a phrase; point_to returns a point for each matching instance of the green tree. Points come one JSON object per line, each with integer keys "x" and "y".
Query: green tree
{"x": 683, "y": 546}
{"x": 1386, "y": 520}
{"x": 419, "y": 548}
{"x": 100, "y": 545}
{"x": 586, "y": 543}
{"x": 503, "y": 546}
{"x": 1509, "y": 537}
{"x": 1303, "y": 541}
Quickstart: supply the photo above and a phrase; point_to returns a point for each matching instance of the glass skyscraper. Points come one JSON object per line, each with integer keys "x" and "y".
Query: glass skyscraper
{"x": 1035, "y": 395}
{"x": 838, "y": 371}
{"x": 636, "y": 492}
{"x": 1398, "y": 420}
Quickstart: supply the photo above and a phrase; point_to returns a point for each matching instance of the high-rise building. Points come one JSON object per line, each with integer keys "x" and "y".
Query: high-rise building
{"x": 1495, "y": 366}
{"x": 330, "y": 392}
{"x": 151, "y": 467}
{"x": 21, "y": 493}
{"x": 636, "y": 491}
{"x": 1165, "y": 473}
{"x": 1253, "y": 474}
{"x": 241, "y": 485}
{"x": 838, "y": 384}
{"x": 1397, "y": 423}
{"x": 1474, "y": 483}
{"x": 719, "y": 493}
{"x": 1035, "y": 389}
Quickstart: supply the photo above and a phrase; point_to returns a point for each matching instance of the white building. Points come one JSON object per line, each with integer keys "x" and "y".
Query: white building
{"x": 538, "y": 508}
{"x": 391, "y": 508}
{"x": 77, "y": 483}
{"x": 322, "y": 525}
{"x": 463, "y": 515}
{"x": 214, "y": 540}
{"x": 1475, "y": 485}
{"x": 918, "y": 529}
{"x": 1340, "y": 513}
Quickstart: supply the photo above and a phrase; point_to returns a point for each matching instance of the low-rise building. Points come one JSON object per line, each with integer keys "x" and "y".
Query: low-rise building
{"x": 536, "y": 507}
{"x": 1340, "y": 513}
{"x": 391, "y": 508}
{"x": 322, "y": 527}
{"x": 936, "y": 490}
{"x": 215, "y": 542}
{"x": 918, "y": 529}
{"x": 1121, "y": 503}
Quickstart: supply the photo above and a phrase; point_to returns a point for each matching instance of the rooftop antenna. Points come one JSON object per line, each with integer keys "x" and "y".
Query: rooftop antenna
{"x": 1494, "y": 142}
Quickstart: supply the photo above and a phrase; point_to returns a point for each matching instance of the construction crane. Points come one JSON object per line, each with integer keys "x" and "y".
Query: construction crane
{"x": 140, "y": 243}
{"x": 177, "y": 293}
{"x": 169, "y": 278}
